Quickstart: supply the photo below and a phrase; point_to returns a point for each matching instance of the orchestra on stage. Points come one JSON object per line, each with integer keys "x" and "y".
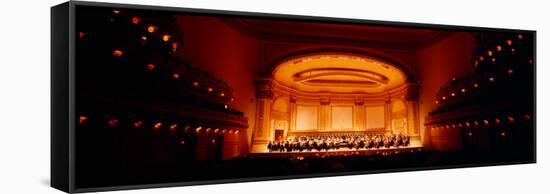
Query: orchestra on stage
{"x": 339, "y": 142}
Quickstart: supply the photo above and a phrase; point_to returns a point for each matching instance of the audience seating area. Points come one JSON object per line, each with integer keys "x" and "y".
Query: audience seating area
{"x": 135, "y": 92}
{"x": 139, "y": 52}
{"x": 496, "y": 100}
{"x": 251, "y": 166}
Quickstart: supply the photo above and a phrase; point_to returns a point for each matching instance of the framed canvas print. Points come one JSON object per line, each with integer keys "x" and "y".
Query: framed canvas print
{"x": 146, "y": 96}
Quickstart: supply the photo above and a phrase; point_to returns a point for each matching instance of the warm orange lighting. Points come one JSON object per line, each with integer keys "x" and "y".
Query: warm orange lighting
{"x": 144, "y": 38}
{"x": 117, "y": 53}
{"x": 225, "y": 106}
{"x": 236, "y": 131}
{"x": 467, "y": 124}
{"x": 491, "y": 79}
{"x": 176, "y": 76}
{"x": 486, "y": 122}
{"x": 453, "y": 94}
{"x": 437, "y": 102}
{"x": 210, "y": 89}
{"x": 232, "y": 99}
{"x": 138, "y": 124}
{"x": 116, "y": 11}
{"x": 499, "y": 48}
{"x": 509, "y": 42}
{"x": 196, "y": 84}
{"x": 173, "y": 127}
{"x": 510, "y": 71}
{"x": 150, "y": 66}
{"x": 151, "y": 29}
{"x": 213, "y": 140}
{"x": 323, "y": 73}
{"x": 476, "y": 85}
{"x": 493, "y": 59}
{"x": 490, "y": 53}
{"x": 112, "y": 122}
{"x": 198, "y": 129}
{"x": 175, "y": 47}
{"x": 443, "y": 97}
{"x": 81, "y": 35}
{"x": 497, "y": 121}
{"x": 481, "y": 58}
{"x": 223, "y": 130}
{"x": 207, "y": 129}
{"x": 82, "y": 119}
{"x": 216, "y": 130}
{"x": 463, "y": 90}
{"x": 222, "y": 94}
{"x": 454, "y": 78}
{"x": 520, "y": 36}
{"x": 503, "y": 134}
{"x": 136, "y": 20}
{"x": 166, "y": 37}
{"x": 510, "y": 119}
{"x": 157, "y": 126}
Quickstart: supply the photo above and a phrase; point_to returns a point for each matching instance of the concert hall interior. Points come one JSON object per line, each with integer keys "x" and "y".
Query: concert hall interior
{"x": 165, "y": 96}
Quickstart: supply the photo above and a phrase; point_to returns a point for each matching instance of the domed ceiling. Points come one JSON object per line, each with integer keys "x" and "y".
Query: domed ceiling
{"x": 338, "y": 73}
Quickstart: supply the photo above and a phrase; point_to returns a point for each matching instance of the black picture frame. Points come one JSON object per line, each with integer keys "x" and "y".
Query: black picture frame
{"x": 63, "y": 102}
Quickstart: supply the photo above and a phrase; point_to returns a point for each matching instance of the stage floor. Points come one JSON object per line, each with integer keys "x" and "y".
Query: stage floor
{"x": 337, "y": 152}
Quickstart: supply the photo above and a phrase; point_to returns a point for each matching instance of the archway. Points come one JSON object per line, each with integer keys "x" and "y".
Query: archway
{"x": 323, "y": 94}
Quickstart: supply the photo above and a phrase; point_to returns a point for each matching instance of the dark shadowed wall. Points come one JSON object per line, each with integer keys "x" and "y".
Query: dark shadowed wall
{"x": 437, "y": 64}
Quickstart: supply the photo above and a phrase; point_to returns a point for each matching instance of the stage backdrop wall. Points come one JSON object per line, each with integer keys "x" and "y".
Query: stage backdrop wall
{"x": 375, "y": 117}
{"x": 342, "y": 118}
{"x": 306, "y": 117}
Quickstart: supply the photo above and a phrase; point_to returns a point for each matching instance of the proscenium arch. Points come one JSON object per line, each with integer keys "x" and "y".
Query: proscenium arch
{"x": 338, "y": 72}
{"x": 411, "y": 78}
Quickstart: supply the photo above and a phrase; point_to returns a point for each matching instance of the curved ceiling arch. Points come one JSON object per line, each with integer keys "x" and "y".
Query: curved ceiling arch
{"x": 338, "y": 73}
{"x": 291, "y": 53}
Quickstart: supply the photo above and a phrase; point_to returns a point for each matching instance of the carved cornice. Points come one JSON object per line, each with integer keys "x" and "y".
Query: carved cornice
{"x": 325, "y": 101}
{"x": 264, "y": 88}
{"x": 297, "y": 94}
{"x": 292, "y": 99}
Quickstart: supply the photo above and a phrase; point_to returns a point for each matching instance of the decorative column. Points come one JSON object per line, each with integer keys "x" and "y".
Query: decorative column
{"x": 324, "y": 115}
{"x": 359, "y": 114}
{"x": 262, "y": 129}
{"x": 387, "y": 115}
{"x": 413, "y": 124}
{"x": 292, "y": 113}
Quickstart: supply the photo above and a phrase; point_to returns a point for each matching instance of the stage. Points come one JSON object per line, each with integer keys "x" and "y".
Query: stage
{"x": 343, "y": 152}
